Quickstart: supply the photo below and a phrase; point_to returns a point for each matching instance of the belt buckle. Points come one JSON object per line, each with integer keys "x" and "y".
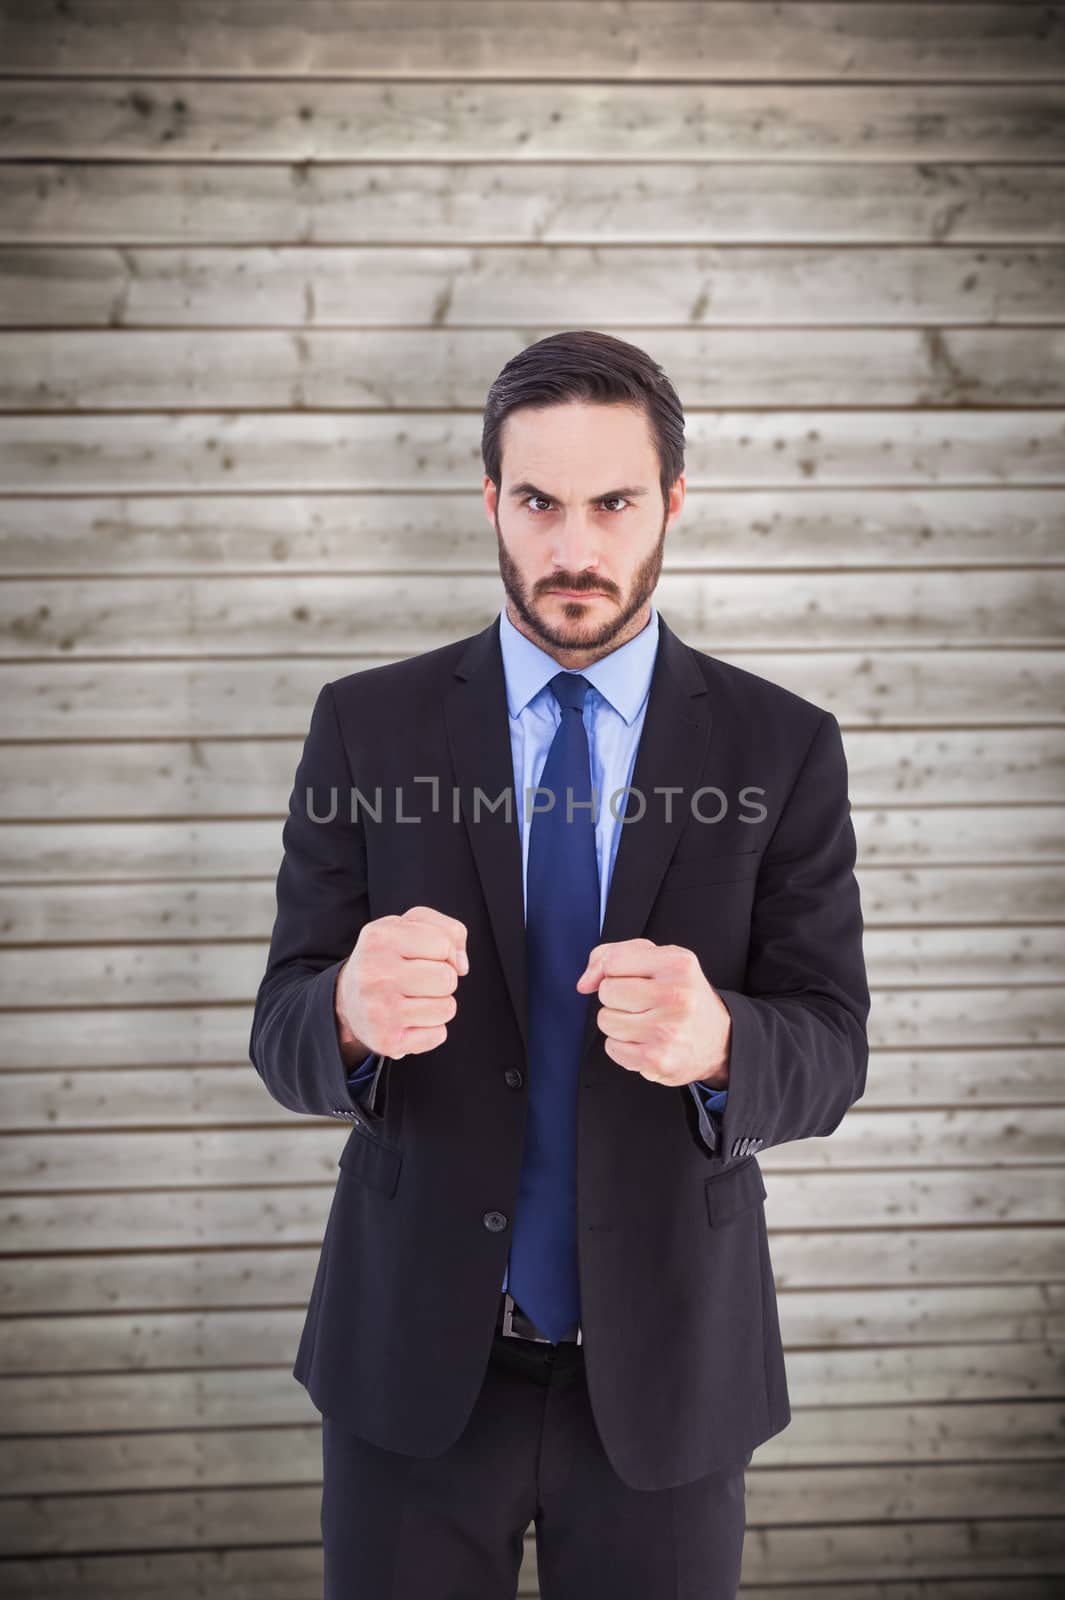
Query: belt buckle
{"x": 510, "y": 1332}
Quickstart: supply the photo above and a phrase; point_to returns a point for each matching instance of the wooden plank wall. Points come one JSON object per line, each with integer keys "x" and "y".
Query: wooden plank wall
{"x": 258, "y": 266}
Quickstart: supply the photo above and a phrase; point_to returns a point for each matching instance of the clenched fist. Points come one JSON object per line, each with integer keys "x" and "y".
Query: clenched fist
{"x": 395, "y": 994}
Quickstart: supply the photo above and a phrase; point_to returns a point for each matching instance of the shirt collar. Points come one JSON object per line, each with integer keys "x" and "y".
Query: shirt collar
{"x": 622, "y": 676}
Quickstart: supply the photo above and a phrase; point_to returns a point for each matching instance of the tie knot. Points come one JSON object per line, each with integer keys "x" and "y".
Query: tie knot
{"x": 569, "y": 689}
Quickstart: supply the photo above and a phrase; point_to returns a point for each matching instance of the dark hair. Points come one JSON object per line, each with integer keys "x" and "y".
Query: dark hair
{"x": 590, "y": 366}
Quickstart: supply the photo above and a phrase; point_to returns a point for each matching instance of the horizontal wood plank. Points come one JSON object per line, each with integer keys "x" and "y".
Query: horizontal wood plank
{"x": 185, "y": 1218}
{"x": 374, "y": 450}
{"x": 309, "y": 287}
{"x": 680, "y": 39}
{"x": 226, "y": 1278}
{"x": 158, "y": 1036}
{"x": 195, "y": 119}
{"x": 883, "y": 1317}
{"x": 221, "y": 777}
{"x": 843, "y": 1379}
{"x": 817, "y": 1439}
{"x": 194, "y": 1157}
{"x": 845, "y": 529}
{"x": 205, "y": 973}
{"x": 81, "y": 1096}
{"x": 636, "y": 202}
{"x": 145, "y": 1520}
{"x": 210, "y": 698}
{"x": 936, "y": 1552}
{"x": 128, "y": 913}
{"x": 142, "y": 617}
{"x": 317, "y": 369}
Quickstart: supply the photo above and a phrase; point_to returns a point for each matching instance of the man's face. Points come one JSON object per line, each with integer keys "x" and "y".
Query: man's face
{"x": 580, "y": 525}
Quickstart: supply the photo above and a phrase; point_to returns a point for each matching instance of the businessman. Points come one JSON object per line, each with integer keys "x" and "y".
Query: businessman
{"x": 567, "y": 931}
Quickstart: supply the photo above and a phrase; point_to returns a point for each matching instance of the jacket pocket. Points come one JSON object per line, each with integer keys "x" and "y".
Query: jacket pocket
{"x": 695, "y": 874}
{"x": 371, "y": 1159}
{"x": 733, "y": 1190}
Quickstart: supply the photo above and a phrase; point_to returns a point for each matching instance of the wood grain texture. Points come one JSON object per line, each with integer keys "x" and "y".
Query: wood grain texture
{"x": 412, "y": 120}
{"x": 661, "y": 203}
{"x": 258, "y": 266}
{"x": 312, "y": 286}
{"x": 332, "y": 451}
{"x": 315, "y": 370}
{"x": 683, "y": 39}
{"x": 208, "y": 697}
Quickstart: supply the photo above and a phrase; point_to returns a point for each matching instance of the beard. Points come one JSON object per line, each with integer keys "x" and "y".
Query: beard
{"x": 580, "y": 631}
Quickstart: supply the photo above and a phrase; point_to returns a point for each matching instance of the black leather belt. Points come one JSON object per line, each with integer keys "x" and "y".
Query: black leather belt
{"x": 512, "y": 1323}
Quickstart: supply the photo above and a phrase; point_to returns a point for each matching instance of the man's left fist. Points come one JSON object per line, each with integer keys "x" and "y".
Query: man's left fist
{"x": 660, "y": 1015}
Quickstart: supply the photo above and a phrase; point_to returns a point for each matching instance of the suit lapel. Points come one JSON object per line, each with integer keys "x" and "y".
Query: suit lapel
{"x": 478, "y": 731}
{"x": 670, "y": 754}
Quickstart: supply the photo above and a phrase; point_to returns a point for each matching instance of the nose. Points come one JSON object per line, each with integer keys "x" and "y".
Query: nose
{"x": 576, "y": 548}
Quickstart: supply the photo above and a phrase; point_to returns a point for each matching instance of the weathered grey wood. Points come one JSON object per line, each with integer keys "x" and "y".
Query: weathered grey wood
{"x": 115, "y": 913}
{"x": 189, "y": 1035}
{"x": 922, "y": 1256}
{"x": 681, "y": 39}
{"x": 205, "y": 698}
{"x": 912, "y": 1588}
{"x": 196, "y": 119}
{"x": 663, "y": 201}
{"x": 430, "y": 285}
{"x": 333, "y": 451}
{"x": 959, "y": 834}
{"x": 182, "y": 851}
{"x": 82, "y": 1096}
{"x": 152, "y": 616}
{"x": 881, "y": 1316}
{"x": 959, "y": 894}
{"x": 1014, "y": 1547}
{"x": 905, "y": 1376}
{"x": 219, "y": 1457}
{"x": 307, "y": 1152}
{"x": 251, "y": 777}
{"x": 844, "y": 528}
{"x": 206, "y": 973}
{"x": 232, "y": 1516}
{"x": 188, "y": 1218}
{"x": 325, "y": 369}
{"x": 290, "y": 388}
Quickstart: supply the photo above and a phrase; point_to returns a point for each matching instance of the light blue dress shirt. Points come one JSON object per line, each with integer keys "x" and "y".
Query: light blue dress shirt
{"x": 613, "y": 719}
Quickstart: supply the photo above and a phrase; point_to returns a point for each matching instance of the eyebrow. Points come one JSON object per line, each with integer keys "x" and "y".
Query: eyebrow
{"x": 521, "y": 490}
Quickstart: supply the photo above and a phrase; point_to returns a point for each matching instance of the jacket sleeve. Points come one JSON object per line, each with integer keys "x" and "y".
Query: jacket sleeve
{"x": 799, "y": 1050}
{"x": 322, "y": 906}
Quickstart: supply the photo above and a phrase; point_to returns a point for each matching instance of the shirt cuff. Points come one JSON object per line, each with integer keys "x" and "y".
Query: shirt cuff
{"x": 713, "y": 1099}
{"x": 361, "y": 1075}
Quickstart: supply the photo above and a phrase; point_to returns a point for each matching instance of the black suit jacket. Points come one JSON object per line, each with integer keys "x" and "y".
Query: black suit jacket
{"x": 682, "y": 1344}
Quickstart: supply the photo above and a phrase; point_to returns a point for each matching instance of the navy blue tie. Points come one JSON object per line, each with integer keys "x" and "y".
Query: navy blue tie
{"x": 561, "y": 926}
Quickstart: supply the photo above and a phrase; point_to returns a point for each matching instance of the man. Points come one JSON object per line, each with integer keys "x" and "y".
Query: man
{"x": 567, "y": 931}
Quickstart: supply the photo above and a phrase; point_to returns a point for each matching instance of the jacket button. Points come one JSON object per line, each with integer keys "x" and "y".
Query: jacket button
{"x": 494, "y": 1221}
{"x": 513, "y": 1077}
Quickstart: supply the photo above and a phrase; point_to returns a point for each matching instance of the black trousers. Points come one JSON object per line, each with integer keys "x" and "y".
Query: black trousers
{"x": 450, "y": 1527}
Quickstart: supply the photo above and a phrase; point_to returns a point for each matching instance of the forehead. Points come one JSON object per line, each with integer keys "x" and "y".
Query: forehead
{"x": 576, "y": 441}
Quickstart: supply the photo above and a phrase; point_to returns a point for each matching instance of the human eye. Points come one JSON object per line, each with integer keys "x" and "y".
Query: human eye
{"x": 529, "y": 497}
{"x": 620, "y": 497}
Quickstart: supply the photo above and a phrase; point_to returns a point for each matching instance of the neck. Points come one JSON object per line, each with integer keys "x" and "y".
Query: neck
{"x": 581, "y": 656}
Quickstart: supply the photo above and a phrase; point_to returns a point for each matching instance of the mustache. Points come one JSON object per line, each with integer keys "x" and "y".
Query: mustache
{"x": 579, "y": 588}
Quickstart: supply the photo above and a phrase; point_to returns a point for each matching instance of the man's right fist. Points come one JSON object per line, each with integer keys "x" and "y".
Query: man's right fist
{"x": 395, "y": 993}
